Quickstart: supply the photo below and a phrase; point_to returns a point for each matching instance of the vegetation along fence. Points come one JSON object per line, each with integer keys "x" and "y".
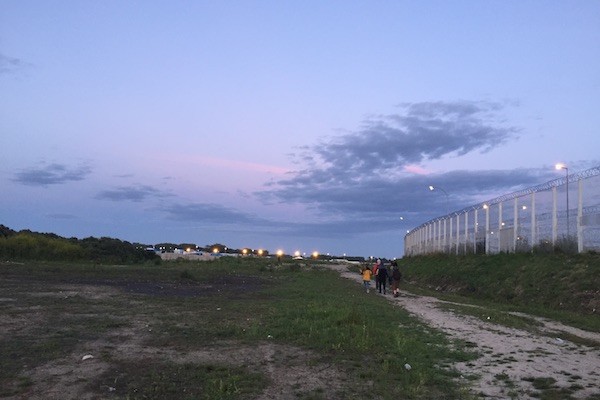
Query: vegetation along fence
{"x": 537, "y": 218}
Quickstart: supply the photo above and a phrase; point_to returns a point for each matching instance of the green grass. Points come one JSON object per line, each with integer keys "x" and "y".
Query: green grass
{"x": 563, "y": 287}
{"x": 191, "y": 307}
{"x": 147, "y": 379}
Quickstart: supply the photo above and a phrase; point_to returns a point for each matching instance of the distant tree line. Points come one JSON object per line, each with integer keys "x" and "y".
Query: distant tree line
{"x": 28, "y": 245}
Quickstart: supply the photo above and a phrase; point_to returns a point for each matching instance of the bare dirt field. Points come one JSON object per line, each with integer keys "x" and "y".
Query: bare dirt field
{"x": 89, "y": 365}
{"x": 513, "y": 362}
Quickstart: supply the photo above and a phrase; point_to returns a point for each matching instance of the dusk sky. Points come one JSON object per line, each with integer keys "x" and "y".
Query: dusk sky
{"x": 293, "y": 125}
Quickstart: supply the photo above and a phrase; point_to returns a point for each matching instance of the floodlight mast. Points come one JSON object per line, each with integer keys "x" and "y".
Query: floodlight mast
{"x": 558, "y": 167}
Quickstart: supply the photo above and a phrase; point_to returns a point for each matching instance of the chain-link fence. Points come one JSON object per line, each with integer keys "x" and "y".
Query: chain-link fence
{"x": 561, "y": 214}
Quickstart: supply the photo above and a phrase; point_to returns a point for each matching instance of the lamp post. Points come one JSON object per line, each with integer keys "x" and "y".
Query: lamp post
{"x": 558, "y": 167}
{"x": 447, "y": 199}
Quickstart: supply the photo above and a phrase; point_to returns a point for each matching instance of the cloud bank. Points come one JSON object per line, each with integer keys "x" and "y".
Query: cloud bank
{"x": 377, "y": 170}
{"x": 52, "y": 174}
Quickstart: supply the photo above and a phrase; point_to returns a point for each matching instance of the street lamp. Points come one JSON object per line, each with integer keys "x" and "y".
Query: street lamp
{"x": 447, "y": 199}
{"x": 560, "y": 166}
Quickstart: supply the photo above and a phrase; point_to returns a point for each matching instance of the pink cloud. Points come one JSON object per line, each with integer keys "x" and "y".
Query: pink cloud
{"x": 415, "y": 169}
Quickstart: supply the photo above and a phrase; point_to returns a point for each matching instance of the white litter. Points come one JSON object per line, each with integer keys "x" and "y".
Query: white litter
{"x": 407, "y": 367}
{"x": 87, "y": 357}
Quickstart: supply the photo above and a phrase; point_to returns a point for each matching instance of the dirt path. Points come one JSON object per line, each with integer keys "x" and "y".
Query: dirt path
{"x": 514, "y": 364}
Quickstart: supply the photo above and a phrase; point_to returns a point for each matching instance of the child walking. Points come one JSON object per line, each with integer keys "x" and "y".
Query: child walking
{"x": 366, "y": 273}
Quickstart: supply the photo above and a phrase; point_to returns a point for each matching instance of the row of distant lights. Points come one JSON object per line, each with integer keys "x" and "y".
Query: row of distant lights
{"x": 280, "y": 253}
{"x": 261, "y": 252}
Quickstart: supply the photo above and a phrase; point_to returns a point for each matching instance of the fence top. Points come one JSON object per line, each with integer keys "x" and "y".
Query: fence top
{"x": 515, "y": 195}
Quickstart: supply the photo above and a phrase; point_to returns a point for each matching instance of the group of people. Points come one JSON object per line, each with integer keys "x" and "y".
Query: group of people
{"x": 382, "y": 277}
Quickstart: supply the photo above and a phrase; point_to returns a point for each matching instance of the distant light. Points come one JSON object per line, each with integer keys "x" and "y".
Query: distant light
{"x": 560, "y": 166}
{"x": 279, "y": 253}
{"x": 485, "y": 206}
{"x": 297, "y": 253}
{"x": 215, "y": 250}
{"x": 315, "y": 254}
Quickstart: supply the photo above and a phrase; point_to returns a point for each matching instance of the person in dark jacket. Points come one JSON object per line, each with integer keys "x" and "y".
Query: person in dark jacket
{"x": 382, "y": 276}
{"x": 396, "y": 276}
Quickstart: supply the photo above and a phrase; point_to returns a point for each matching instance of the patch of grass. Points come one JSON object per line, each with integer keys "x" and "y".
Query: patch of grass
{"x": 147, "y": 379}
{"x": 319, "y": 311}
{"x": 493, "y": 315}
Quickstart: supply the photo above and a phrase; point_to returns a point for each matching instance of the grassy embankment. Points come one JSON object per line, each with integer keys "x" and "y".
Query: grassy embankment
{"x": 563, "y": 287}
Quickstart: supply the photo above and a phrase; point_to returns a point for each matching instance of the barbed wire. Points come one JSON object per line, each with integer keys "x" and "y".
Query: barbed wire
{"x": 589, "y": 173}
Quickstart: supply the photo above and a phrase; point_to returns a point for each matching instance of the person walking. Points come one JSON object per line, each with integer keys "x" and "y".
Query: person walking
{"x": 375, "y": 272}
{"x": 396, "y": 276}
{"x": 366, "y": 274}
{"x": 382, "y": 276}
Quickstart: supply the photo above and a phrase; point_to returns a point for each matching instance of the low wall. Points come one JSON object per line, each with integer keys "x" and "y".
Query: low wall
{"x": 192, "y": 257}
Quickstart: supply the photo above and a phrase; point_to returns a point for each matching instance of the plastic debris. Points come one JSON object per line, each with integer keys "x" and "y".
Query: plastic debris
{"x": 87, "y": 357}
{"x": 269, "y": 337}
{"x": 407, "y": 367}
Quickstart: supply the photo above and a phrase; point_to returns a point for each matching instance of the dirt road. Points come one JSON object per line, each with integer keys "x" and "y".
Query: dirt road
{"x": 514, "y": 364}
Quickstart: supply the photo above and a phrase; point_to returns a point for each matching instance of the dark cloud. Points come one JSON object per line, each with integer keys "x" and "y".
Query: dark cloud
{"x": 377, "y": 200}
{"x": 358, "y": 179}
{"x": 422, "y": 132}
{"x": 131, "y": 193}
{"x": 52, "y": 174}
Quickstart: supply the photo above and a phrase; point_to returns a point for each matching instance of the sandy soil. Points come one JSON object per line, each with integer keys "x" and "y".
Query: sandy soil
{"x": 510, "y": 358}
